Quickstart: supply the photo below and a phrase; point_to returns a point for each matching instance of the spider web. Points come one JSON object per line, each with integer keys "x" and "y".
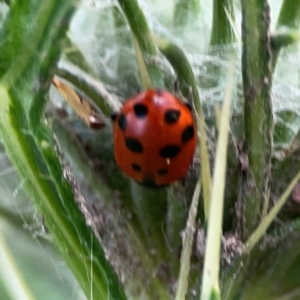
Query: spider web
{"x": 210, "y": 64}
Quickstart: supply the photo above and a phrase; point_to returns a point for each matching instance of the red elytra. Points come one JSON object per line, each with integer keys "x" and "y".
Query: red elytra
{"x": 154, "y": 138}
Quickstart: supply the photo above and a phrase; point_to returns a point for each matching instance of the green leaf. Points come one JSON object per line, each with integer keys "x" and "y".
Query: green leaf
{"x": 25, "y": 79}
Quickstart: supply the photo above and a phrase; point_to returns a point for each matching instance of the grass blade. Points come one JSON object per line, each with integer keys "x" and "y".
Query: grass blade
{"x": 210, "y": 281}
{"x": 263, "y": 226}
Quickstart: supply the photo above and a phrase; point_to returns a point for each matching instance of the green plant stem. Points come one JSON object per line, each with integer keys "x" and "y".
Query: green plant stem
{"x": 258, "y": 115}
{"x": 281, "y": 39}
{"x": 145, "y": 78}
{"x": 210, "y": 280}
{"x": 187, "y": 82}
{"x": 139, "y": 28}
{"x": 222, "y": 32}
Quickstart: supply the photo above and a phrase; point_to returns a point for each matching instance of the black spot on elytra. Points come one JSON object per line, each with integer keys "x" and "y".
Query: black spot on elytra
{"x": 162, "y": 172}
{"x": 136, "y": 167}
{"x": 172, "y": 116}
{"x": 140, "y": 110}
{"x": 187, "y": 134}
{"x": 114, "y": 116}
{"x": 169, "y": 151}
{"x": 134, "y": 145}
{"x": 122, "y": 122}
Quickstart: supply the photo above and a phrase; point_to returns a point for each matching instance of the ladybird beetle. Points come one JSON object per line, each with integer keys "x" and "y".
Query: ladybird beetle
{"x": 154, "y": 138}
